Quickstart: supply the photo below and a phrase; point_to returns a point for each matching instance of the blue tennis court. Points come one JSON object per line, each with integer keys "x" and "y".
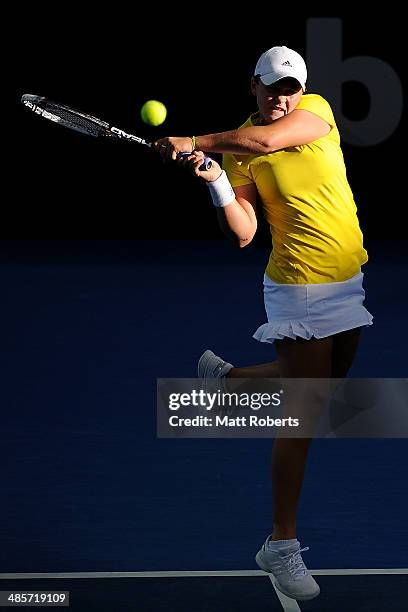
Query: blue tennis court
{"x": 89, "y": 489}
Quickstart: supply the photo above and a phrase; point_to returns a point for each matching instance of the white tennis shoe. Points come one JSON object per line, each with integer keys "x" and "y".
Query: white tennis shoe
{"x": 285, "y": 563}
{"x": 212, "y": 366}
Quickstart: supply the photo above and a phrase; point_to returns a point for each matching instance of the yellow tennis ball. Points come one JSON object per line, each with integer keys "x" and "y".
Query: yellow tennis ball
{"x": 153, "y": 112}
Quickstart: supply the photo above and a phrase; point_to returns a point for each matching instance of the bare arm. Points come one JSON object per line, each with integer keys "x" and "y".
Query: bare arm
{"x": 238, "y": 220}
{"x": 299, "y": 127}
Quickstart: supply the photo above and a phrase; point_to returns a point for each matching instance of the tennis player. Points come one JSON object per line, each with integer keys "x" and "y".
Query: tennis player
{"x": 288, "y": 156}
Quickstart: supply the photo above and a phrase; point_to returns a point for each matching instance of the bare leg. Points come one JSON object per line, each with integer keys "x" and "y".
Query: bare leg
{"x": 288, "y": 467}
{"x": 344, "y": 348}
{"x": 297, "y": 359}
{"x": 263, "y": 370}
{"x": 325, "y": 358}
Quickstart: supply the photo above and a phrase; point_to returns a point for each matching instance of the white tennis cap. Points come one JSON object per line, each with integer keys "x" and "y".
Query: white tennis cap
{"x": 280, "y": 62}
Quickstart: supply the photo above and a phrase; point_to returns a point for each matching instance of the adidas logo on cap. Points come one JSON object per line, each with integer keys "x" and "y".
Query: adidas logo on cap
{"x": 287, "y": 63}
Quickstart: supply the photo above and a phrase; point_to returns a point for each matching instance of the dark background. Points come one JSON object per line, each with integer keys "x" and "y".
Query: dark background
{"x": 70, "y": 186}
{"x": 88, "y": 485}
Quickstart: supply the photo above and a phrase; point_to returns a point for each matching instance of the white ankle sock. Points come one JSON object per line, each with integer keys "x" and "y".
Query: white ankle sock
{"x": 281, "y": 543}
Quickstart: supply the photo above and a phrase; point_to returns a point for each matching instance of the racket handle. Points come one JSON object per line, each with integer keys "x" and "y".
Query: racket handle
{"x": 206, "y": 165}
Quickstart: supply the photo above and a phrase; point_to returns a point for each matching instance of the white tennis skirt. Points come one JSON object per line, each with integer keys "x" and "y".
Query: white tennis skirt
{"x": 315, "y": 310}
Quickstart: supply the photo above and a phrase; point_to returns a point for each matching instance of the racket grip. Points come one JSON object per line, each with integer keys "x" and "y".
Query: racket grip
{"x": 206, "y": 165}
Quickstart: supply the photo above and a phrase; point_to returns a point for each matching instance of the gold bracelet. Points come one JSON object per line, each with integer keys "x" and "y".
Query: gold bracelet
{"x": 194, "y": 142}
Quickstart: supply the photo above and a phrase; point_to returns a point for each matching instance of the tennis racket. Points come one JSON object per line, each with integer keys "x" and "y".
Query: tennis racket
{"x": 85, "y": 123}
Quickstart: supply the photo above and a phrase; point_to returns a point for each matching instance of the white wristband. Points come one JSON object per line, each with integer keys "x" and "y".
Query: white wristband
{"x": 221, "y": 191}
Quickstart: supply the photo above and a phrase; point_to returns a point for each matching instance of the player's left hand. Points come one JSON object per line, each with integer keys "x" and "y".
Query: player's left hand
{"x": 170, "y": 147}
{"x": 193, "y": 163}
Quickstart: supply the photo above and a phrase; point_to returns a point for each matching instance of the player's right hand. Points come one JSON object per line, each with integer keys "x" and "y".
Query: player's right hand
{"x": 195, "y": 160}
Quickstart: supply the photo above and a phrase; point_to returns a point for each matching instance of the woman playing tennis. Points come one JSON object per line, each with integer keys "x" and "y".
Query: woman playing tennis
{"x": 288, "y": 156}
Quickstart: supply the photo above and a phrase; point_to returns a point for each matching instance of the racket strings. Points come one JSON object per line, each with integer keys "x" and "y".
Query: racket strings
{"x": 78, "y": 121}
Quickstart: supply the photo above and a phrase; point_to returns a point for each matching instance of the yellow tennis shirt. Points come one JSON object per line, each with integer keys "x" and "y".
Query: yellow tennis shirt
{"x": 308, "y": 203}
